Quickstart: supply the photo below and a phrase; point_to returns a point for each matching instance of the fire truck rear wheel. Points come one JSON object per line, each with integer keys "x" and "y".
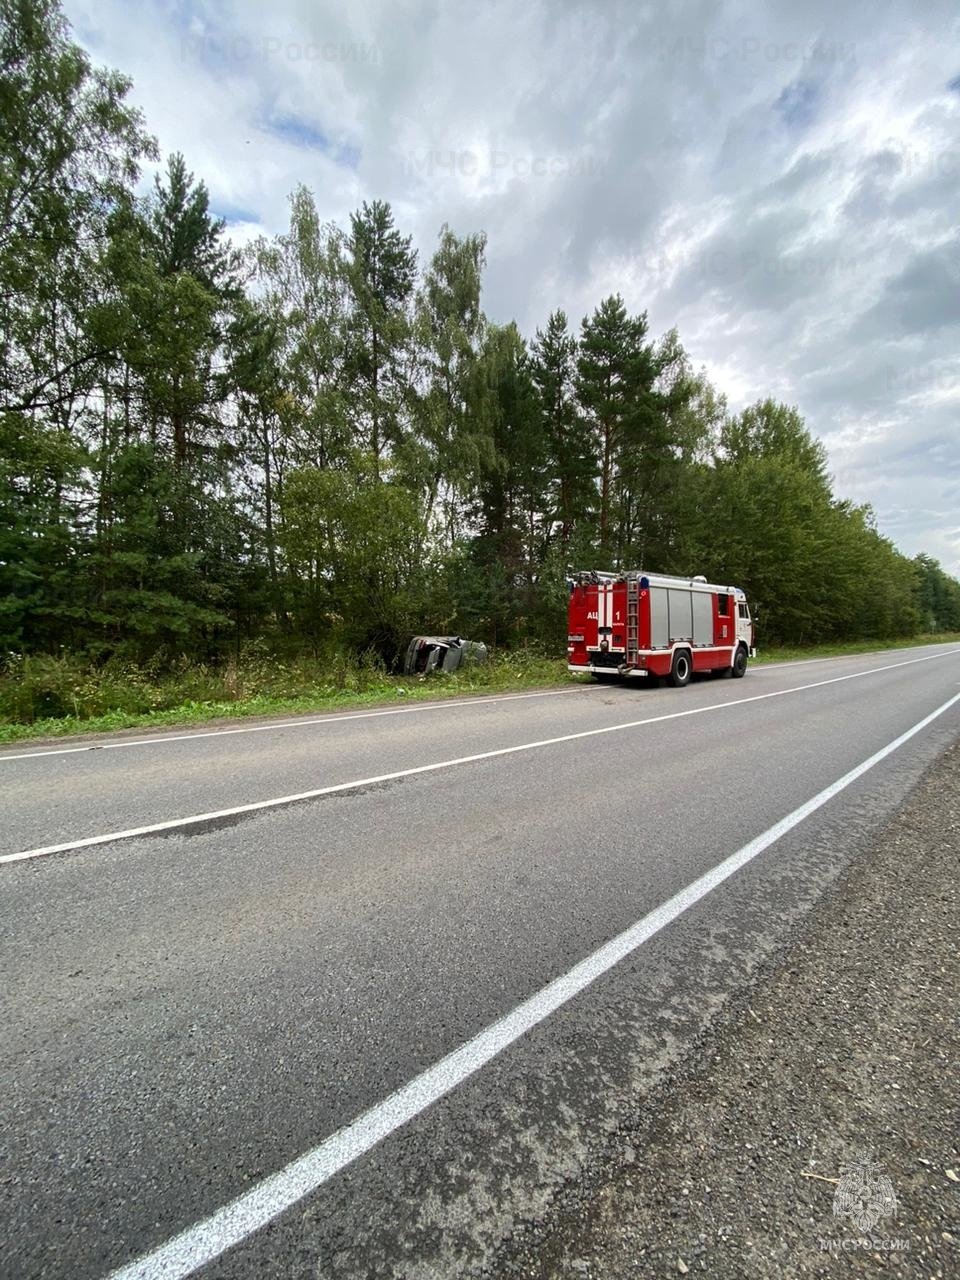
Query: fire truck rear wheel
{"x": 739, "y": 664}
{"x": 680, "y": 671}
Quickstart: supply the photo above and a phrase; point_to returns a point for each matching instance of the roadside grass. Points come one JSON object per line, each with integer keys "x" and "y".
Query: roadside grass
{"x": 797, "y": 653}
{"x": 89, "y": 701}
{"x": 274, "y": 689}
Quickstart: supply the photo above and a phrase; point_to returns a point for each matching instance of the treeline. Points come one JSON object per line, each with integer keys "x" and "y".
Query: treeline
{"x": 322, "y": 443}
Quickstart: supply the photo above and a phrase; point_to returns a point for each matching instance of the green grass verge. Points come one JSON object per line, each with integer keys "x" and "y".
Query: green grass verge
{"x": 502, "y": 675}
{"x": 795, "y": 653}
{"x": 506, "y": 673}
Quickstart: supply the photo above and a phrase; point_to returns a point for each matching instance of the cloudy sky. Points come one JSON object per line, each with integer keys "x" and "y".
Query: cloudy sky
{"x": 780, "y": 181}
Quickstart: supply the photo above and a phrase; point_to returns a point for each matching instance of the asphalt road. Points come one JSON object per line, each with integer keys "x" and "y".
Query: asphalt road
{"x": 188, "y": 1011}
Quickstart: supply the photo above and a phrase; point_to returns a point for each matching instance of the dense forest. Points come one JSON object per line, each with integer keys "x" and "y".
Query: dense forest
{"x": 321, "y": 444}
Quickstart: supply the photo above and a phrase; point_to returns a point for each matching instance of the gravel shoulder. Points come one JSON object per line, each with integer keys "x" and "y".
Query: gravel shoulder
{"x": 845, "y": 1049}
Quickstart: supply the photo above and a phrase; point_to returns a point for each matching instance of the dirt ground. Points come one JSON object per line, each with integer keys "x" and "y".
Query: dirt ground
{"x": 818, "y": 1132}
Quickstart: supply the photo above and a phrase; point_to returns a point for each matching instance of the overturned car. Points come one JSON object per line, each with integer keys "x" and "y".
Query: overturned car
{"x": 441, "y": 653}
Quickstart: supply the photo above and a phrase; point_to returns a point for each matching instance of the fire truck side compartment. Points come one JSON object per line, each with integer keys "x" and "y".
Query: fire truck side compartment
{"x": 659, "y": 624}
{"x": 702, "y": 617}
{"x": 680, "y": 604}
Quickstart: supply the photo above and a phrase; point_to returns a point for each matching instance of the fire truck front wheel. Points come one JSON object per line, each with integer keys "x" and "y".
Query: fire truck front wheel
{"x": 739, "y": 664}
{"x": 680, "y": 671}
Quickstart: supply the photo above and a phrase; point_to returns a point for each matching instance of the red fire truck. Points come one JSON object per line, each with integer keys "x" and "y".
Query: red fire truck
{"x": 643, "y": 625}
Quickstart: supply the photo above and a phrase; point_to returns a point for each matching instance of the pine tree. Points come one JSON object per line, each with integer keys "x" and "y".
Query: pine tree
{"x": 455, "y": 442}
{"x": 70, "y": 145}
{"x": 511, "y": 491}
{"x": 614, "y": 380}
{"x": 572, "y": 492}
{"x": 69, "y": 150}
{"x": 303, "y": 280}
{"x": 381, "y": 272}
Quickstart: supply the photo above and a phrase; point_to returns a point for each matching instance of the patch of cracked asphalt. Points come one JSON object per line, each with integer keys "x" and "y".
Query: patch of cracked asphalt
{"x": 846, "y": 1047}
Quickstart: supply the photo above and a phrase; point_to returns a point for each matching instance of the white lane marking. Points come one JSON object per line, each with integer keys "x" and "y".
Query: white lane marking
{"x": 306, "y": 721}
{"x": 289, "y": 724}
{"x": 234, "y": 1222}
{"x": 760, "y": 665}
{"x": 255, "y": 806}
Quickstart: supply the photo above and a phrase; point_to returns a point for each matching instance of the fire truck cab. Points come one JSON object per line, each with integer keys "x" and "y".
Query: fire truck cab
{"x": 639, "y": 625}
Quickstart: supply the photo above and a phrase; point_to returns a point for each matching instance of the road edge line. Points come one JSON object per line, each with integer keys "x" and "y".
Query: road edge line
{"x": 306, "y": 721}
{"x": 337, "y": 788}
{"x": 235, "y": 1222}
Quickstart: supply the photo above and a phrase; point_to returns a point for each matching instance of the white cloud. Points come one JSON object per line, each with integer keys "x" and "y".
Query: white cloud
{"x": 779, "y": 182}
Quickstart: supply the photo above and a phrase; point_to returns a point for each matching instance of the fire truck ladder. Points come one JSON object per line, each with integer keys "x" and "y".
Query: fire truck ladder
{"x": 633, "y": 621}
